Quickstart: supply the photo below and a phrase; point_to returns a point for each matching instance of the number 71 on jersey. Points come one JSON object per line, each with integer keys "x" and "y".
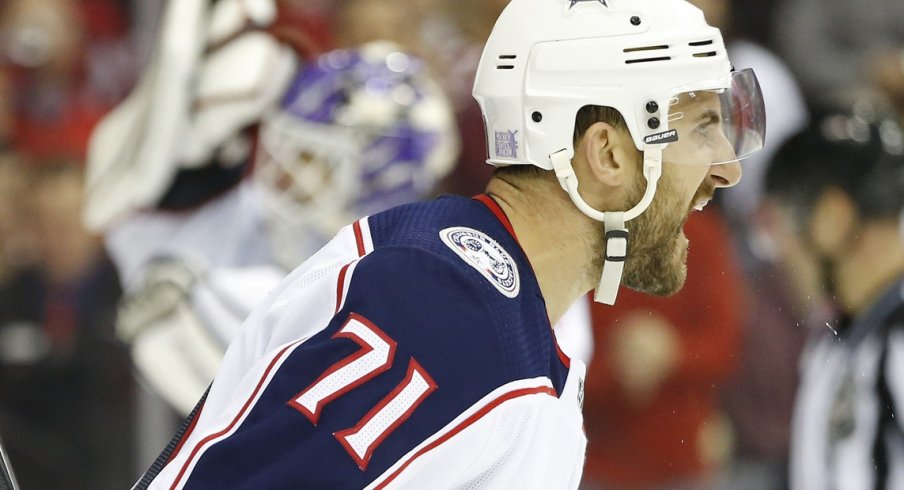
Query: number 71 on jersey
{"x": 373, "y": 358}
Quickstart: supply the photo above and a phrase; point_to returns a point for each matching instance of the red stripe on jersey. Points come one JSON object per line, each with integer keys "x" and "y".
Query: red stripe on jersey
{"x": 566, "y": 361}
{"x": 188, "y": 431}
{"x": 359, "y": 238}
{"x": 466, "y": 423}
{"x": 340, "y": 288}
{"x": 497, "y": 210}
{"x": 238, "y": 416}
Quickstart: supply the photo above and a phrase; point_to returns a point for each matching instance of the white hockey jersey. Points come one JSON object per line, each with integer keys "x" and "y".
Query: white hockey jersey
{"x": 230, "y": 230}
{"x": 413, "y": 351}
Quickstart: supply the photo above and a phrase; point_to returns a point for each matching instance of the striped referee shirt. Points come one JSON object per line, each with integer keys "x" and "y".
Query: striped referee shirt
{"x": 846, "y": 429}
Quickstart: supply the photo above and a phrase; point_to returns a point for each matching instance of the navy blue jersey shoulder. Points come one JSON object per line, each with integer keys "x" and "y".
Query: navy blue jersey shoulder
{"x": 441, "y": 314}
{"x": 522, "y": 323}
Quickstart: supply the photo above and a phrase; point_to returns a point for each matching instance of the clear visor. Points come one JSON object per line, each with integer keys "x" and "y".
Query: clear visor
{"x": 720, "y": 125}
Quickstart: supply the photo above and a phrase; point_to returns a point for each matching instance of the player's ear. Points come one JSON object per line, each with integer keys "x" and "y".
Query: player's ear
{"x": 609, "y": 154}
{"x": 832, "y": 222}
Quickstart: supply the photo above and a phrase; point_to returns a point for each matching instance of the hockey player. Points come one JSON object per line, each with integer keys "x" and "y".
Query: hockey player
{"x": 415, "y": 350}
{"x": 838, "y": 187}
{"x": 279, "y": 153}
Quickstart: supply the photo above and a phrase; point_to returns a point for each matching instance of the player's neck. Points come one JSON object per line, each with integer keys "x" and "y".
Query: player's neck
{"x": 557, "y": 238}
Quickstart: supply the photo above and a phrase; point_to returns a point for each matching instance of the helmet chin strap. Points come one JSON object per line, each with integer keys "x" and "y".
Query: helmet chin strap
{"x": 614, "y": 221}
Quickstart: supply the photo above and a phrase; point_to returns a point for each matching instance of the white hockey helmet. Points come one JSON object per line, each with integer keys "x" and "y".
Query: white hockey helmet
{"x": 547, "y": 59}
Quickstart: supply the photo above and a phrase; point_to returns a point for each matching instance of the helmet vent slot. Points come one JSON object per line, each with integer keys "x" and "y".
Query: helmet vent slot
{"x": 506, "y": 57}
{"x": 701, "y": 43}
{"x": 704, "y": 55}
{"x": 646, "y": 48}
{"x": 648, "y": 60}
{"x": 658, "y": 47}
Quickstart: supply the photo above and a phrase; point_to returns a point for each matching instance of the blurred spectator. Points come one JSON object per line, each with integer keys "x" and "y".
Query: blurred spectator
{"x": 7, "y": 117}
{"x": 65, "y": 63}
{"x": 361, "y": 21}
{"x": 65, "y": 411}
{"x": 754, "y": 21}
{"x": 18, "y": 254}
{"x": 651, "y": 400}
{"x": 836, "y": 46}
{"x": 17, "y": 240}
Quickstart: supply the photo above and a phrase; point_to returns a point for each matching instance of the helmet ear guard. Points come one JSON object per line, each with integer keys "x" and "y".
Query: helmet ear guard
{"x": 634, "y": 56}
{"x": 617, "y": 235}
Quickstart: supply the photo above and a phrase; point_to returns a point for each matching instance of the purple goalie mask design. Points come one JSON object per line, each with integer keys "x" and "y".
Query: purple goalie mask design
{"x": 358, "y": 131}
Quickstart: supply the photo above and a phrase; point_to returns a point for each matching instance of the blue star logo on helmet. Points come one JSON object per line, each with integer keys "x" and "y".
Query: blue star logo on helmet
{"x": 575, "y": 2}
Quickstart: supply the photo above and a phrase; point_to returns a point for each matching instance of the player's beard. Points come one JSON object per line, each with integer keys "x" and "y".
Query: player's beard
{"x": 657, "y": 248}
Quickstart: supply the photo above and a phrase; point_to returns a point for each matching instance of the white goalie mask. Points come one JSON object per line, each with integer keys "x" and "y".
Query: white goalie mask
{"x": 657, "y": 62}
{"x": 358, "y": 131}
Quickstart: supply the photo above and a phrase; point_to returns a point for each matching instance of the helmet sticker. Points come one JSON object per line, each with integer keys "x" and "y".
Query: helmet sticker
{"x": 486, "y": 255}
{"x": 506, "y": 144}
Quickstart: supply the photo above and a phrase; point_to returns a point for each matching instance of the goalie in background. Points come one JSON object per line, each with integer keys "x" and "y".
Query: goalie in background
{"x": 240, "y": 153}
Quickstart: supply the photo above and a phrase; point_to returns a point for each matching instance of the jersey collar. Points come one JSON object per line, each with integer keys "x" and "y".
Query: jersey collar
{"x": 498, "y": 212}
